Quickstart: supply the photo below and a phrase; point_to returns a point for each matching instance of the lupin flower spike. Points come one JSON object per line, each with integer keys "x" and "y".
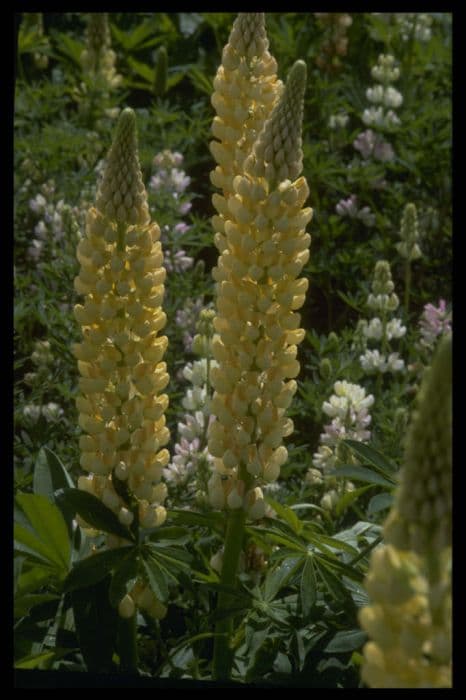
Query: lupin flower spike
{"x": 246, "y": 88}
{"x": 408, "y": 247}
{"x": 121, "y": 404}
{"x": 421, "y": 518}
{"x": 264, "y": 249}
{"x": 409, "y": 577}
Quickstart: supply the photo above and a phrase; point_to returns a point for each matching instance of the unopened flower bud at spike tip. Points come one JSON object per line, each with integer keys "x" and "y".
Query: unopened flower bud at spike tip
{"x": 127, "y": 119}
{"x": 122, "y": 196}
{"x": 277, "y": 154}
{"x": 298, "y": 73}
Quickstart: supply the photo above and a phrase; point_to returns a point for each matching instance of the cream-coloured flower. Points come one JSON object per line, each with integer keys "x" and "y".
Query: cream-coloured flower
{"x": 121, "y": 402}
{"x": 263, "y": 247}
{"x": 409, "y": 577}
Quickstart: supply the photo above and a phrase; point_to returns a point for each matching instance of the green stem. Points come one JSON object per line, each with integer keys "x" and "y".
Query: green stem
{"x": 223, "y": 654}
{"x": 127, "y": 645}
{"x": 407, "y": 285}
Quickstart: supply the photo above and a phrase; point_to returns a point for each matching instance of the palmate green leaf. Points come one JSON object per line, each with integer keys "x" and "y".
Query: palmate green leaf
{"x": 33, "y": 579}
{"x": 349, "y": 497}
{"x": 43, "y": 659}
{"x": 156, "y": 577}
{"x": 200, "y": 80}
{"x": 308, "y": 586}
{"x": 341, "y": 568}
{"x": 135, "y": 39}
{"x": 331, "y": 582}
{"x": 357, "y": 473}
{"x": 173, "y": 557}
{"x": 93, "y": 569}
{"x": 50, "y": 534}
{"x": 213, "y": 520}
{"x": 125, "y": 576}
{"x": 240, "y": 596}
{"x": 351, "y": 302}
{"x": 172, "y": 534}
{"x": 323, "y": 542}
{"x": 94, "y": 512}
{"x": 280, "y": 532}
{"x": 275, "y": 611}
{"x": 280, "y": 576}
{"x": 96, "y": 625}
{"x": 50, "y": 474}
{"x": 30, "y": 41}
{"x": 23, "y": 604}
{"x": 368, "y": 454}
{"x": 27, "y": 543}
{"x": 69, "y": 47}
{"x": 143, "y": 70}
{"x": 381, "y": 501}
{"x": 346, "y": 640}
{"x": 263, "y": 658}
{"x": 286, "y": 514}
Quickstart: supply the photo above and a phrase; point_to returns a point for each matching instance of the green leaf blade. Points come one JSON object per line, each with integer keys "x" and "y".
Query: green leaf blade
{"x": 94, "y": 512}
{"x": 49, "y": 527}
{"x": 95, "y": 568}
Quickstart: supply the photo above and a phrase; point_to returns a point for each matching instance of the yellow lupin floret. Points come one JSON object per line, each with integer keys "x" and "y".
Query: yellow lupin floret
{"x": 409, "y": 578}
{"x": 121, "y": 403}
{"x": 246, "y": 89}
{"x": 262, "y": 251}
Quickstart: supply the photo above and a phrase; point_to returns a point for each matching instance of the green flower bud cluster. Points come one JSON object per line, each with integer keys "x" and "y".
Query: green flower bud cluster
{"x": 161, "y": 71}
{"x": 382, "y": 297}
{"x": 277, "y": 154}
{"x": 202, "y": 341}
{"x": 408, "y": 247}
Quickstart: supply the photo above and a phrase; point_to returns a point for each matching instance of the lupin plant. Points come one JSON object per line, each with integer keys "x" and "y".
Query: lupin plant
{"x": 188, "y": 473}
{"x": 408, "y": 247}
{"x": 384, "y": 95}
{"x": 260, "y": 234}
{"x": 121, "y": 402}
{"x": 409, "y": 578}
{"x": 98, "y": 58}
{"x": 381, "y": 328}
{"x": 348, "y": 408}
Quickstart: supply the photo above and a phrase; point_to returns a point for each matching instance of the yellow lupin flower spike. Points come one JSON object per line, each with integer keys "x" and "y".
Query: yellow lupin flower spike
{"x": 246, "y": 88}
{"x": 263, "y": 250}
{"x": 121, "y": 405}
{"x": 409, "y": 578}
